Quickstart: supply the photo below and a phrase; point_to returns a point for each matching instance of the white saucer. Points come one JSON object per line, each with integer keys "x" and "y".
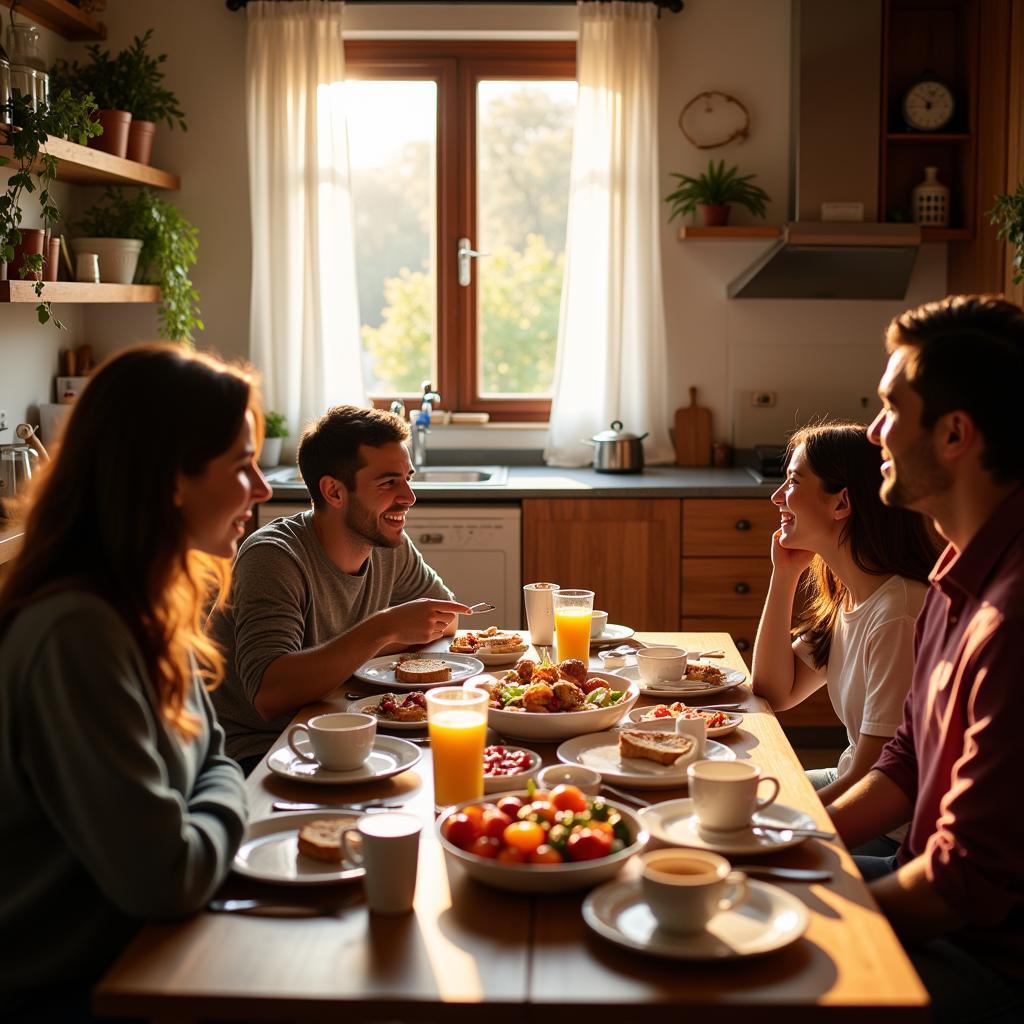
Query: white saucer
{"x": 600, "y": 751}
{"x": 683, "y": 688}
{"x": 675, "y": 822}
{"x": 612, "y": 634}
{"x": 381, "y": 671}
{"x": 270, "y": 852}
{"x": 363, "y": 704}
{"x": 390, "y": 756}
{"x": 768, "y": 919}
{"x": 734, "y": 721}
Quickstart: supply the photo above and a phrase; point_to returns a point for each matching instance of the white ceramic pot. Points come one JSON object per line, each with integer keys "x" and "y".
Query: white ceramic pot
{"x": 118, "y": 257}
{"x": 270, "y": 454}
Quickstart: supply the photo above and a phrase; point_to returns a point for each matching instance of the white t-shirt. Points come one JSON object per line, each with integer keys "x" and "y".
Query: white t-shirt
{"x": 871, "y": 661}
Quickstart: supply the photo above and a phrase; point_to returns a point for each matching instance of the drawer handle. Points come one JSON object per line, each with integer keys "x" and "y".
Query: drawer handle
{"x": 431, "y": 538}
{"x": 742, "y": 588}
{"x": 742, "y": 644}
{"x": 742, "y": 525}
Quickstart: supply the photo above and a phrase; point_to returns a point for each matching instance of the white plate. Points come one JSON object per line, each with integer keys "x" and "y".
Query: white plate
{"x": 381, "y": 671}
{"x": 768, "y": 919}
{"x": 612, "y": 634}
{"x": 506, "y": 657}
{"x": 390, "y": 756}
{"x": 675, "y": 822}
{"x": 734, "y": 720}
{"x": 600, "y": 751}
{"x": 364, "y": 704}
{"x": 270, "y": 852}
{"x": 685, "y": 687}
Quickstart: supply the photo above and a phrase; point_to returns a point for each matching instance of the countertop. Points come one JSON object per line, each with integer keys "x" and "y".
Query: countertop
{"x": 552, "y": 482}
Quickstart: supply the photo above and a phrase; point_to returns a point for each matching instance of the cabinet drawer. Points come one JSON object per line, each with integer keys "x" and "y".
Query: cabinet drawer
{"x": 742, "y": 632}
{"x": 732, "y": 527}
{"x": 733, "y": 587}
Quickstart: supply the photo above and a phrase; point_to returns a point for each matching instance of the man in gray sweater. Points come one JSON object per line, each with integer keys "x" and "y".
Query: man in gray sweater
{"x": 317, "y": 594}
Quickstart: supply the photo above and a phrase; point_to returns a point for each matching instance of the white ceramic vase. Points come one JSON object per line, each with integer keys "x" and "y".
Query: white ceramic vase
{"x": 118, "y": 257}
{"x": 270, "y": 455}
{"x": 930, "y": 201}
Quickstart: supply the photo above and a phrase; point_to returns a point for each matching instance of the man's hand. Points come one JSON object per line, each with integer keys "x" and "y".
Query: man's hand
{"x": 421, "y": 621}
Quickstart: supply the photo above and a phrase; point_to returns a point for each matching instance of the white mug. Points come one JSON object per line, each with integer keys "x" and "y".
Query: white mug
{"x": 388, "y": 850}
{"x": 341, "y": 740}
{"x": 724, "y": 793}
{"x": 598, "y": 623}
{"x": 661, "y": 664}
{"x": 540, "y": 612}
{"x": 694, "y": 728}
{"x": 684, "y": 889}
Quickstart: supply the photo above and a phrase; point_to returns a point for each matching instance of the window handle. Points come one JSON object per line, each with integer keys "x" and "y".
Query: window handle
{"x": 465, "y": 253}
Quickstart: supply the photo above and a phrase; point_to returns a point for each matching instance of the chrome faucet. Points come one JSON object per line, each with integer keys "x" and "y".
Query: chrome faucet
{"x": 421, "y": 424}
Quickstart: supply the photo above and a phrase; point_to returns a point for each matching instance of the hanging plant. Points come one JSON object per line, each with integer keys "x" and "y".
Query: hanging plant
{"x": 1008, "y": 214}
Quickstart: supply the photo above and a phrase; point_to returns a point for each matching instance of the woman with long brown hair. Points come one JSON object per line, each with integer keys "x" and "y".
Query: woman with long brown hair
{"x": 117, "y": 802}
{"x": 864, "y": 567}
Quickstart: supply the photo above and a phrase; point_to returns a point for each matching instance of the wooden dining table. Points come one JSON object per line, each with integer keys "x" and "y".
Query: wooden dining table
{"x": 472, "y": 952}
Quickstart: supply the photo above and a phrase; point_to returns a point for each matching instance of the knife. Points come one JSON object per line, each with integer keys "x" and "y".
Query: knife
{"x": 370, "y": 805}
{"x": 268, "y": 908}
{"x": 478, "y": 609}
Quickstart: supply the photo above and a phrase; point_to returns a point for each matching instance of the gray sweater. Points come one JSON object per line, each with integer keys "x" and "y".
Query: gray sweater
{"x": 287, "y": 596}
{"x": 107, "y": 817}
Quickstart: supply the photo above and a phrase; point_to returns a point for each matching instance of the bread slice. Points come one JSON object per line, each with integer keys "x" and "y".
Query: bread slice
{"x": 321, "y": 839}
{"x": 707, "y": 673}
{"x": 423, "y": 670}
{"x": 663, "y": 747}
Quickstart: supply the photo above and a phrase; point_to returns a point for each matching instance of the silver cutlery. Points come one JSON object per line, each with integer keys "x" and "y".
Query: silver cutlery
{"x": 621, "y": 794}
{"x": 267, "y": 908}
{"x": 476, "y": 609}
{"x": 784, "y": 874}
{"x": 779, "y": 834}
{"x": 366, "y": 805}
{"x": 630, "y": 649}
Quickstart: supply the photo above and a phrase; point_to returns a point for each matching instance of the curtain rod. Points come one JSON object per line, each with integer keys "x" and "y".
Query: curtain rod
{"x": 672, "y": 6}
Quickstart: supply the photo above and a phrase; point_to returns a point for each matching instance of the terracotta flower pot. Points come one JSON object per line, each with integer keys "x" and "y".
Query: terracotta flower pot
{"x": 114, "y": 139}
{"x": 140, "y": 140}
{"x": 30, "y": 244}
{"x": 715, "y": 216}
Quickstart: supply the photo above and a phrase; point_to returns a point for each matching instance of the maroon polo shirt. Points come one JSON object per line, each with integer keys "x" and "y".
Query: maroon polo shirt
{"x": 959, "y": 754}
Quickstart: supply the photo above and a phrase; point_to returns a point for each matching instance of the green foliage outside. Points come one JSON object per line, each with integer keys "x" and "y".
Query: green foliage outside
{"x": 1008, "y": 215}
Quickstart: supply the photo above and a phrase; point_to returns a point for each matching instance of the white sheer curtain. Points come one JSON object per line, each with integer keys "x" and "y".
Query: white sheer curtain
{"x": 611, "y": 360}
{"x": 304, "y": 328}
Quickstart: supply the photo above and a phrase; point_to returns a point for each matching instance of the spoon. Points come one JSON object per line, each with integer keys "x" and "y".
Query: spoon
{"x": 628, "y": 797}
{"x": 784, "y": 835}
{"x": 784, "y": 874}
{"x": 367, "y": 805}
{"x": 269, "y": 908}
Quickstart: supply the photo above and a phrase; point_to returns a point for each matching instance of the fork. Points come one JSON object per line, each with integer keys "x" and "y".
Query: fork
{"x": 366, "y": 805}
{"x": 784, "y": 835}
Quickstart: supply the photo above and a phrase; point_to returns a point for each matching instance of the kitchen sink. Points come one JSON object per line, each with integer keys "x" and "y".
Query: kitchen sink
{"x": 427, "y": 476}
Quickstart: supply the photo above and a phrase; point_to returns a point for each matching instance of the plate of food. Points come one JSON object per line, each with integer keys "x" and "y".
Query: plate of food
{"x": 389, "y": 756}
{"x": 402, "y": 712}
{"x": 700, "y": 678}
{"x": 719, "y": 723}
{"x": 515, "y": 843}
{"x": 492, "y": 646}
{"x": 415, "y": 671}
{"x": 642, "y": 758}
{"x": 547, "y": 702}
{"x": 297, "y": 849}
{"x": 508, "y": 767}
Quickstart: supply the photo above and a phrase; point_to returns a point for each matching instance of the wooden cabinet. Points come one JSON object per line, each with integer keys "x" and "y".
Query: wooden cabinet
{"x": 626, "y": 550}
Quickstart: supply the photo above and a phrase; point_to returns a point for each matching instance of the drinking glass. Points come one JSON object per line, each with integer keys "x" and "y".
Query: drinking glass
{"x": 457, "y": 722}
{"x": 573, "y": 611}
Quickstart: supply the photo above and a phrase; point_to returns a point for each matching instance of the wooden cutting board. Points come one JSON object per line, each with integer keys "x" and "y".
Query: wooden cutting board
{"x": 693, "y": 434}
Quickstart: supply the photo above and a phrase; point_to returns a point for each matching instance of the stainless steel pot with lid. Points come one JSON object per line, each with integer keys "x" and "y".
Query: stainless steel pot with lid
{"x": 617, "y": 450}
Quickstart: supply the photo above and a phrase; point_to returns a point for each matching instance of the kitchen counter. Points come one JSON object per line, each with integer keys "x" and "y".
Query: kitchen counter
{"x": 553, "y": 482}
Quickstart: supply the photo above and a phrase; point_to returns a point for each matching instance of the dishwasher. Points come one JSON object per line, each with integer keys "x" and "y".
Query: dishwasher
{"x": 475, "y": 549}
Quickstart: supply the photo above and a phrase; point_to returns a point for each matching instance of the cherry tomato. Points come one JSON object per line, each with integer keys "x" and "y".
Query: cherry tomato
{"x": 588, "y": 844}
{"x": 510, "y": 855}
{"x": 601, "y": 826}
{"x": 545, "y": 854}
{"x": 485, "y": 846}
{"x": 568, "y": 798}
{"x": 510, "y": 805}
{"x": 541, "y": 794}
{"x": 460, "y": 830}
{"x": 475, "y": 813}
{"x": 590, "y": 685}
{"x": 494, "y": 824}
{"x": 544, "y": 809}
{"x": 524, "y": 836}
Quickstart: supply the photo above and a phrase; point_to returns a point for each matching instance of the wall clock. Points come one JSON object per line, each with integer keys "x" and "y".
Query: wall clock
{"x": 713, "y": 119}
{"x": 928, "y": 105}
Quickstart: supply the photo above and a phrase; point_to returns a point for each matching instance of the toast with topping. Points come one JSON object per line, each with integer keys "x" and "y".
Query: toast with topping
{"x": 423, "y": 670}
{"x": 321, "y": 840}
{"x": 662, "y": 747}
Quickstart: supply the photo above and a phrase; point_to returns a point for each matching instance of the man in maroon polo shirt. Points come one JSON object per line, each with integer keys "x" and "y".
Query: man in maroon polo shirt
{"x": 953, "y": 449}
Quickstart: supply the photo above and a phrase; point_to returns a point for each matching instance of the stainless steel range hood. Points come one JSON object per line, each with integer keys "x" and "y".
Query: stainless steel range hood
{"x": 836, "y": 99}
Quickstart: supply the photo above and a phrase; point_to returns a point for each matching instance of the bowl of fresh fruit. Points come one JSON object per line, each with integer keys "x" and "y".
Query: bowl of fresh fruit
{"x": 534, "y": 840}
{"x": 508, "y": 767}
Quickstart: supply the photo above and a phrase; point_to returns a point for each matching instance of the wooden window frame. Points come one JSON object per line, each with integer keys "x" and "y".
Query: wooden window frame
{"x": 457, "y": 67}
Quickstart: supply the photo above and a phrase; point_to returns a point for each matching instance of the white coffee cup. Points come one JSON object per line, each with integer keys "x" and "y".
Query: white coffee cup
{"x": 388, "y": 850}
{"x": 724, "y": 793}
{"x": 585, "y": 779}
{"x": 686, "y": 888}
{"x": 341, "y": 740}
{"x": 540, "y": 612}
{"x": 598, "y": 623}
{"x": 694, "y": 728}
{"x": 661, "y": 664}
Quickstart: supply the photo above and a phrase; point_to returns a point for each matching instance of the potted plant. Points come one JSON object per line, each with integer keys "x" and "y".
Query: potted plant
{"x": 148, "y": 100}
{"x": 275, "y": 431}
{"x": 713, "y": 191}
{"x": 104, "y": 78}
{"x": 1008, "y": 213}
{"x": 169, "y": 246}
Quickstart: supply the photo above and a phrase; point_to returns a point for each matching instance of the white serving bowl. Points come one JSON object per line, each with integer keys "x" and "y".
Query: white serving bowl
{"x": 544, "y": 877}
{"x": 501, "y": 783}
{"x": 583, "y": 778}
{"x": 563, "y": 725}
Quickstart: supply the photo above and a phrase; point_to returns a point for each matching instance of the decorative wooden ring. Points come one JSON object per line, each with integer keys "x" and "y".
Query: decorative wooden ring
{"x": 740, "y": 133}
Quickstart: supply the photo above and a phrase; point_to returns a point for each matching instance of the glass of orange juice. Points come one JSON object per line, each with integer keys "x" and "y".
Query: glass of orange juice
{"x": 457, "y": 721}
{"x": 573, "y": 611}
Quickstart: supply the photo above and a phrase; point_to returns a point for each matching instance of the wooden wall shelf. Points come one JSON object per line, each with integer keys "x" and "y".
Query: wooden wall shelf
{"x": 924, "y": 138}
{"x": 695, "y": 231}
{"x": 76, "y": 291}
{"x": 62, "y": 17}
{"x": 946, "y": 234}
{"x": 83, "y": 166}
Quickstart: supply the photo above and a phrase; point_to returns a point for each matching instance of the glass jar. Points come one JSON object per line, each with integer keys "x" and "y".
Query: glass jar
{"x": 23, "y": 43}
{"x": 23, "y": 84}
{"x": 5, "y": 91}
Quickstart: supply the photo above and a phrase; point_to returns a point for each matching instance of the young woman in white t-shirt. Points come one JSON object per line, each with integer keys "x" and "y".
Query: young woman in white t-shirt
{"x": 864, "y": 566}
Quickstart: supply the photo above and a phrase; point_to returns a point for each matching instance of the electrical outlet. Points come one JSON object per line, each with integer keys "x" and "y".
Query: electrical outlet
{"x": 763, "y": 399}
